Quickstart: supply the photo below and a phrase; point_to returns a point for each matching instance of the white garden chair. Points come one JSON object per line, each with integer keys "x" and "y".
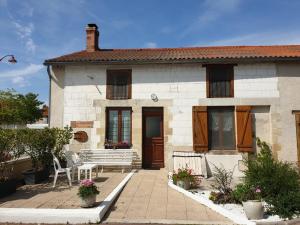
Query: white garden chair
{"x": 73, "y": 161}
{"x": 58, "y": 170}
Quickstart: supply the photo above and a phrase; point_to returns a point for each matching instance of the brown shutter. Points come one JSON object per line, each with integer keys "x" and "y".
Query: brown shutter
{"x": 244, "y": 128}
{"x": 200, "y": 129}
{"x": 109, "y": 84}
{"x": 298, "y": 137}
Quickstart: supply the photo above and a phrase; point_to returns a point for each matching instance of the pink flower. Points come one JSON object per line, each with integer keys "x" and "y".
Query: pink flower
{"x": 86, "y": 183}
{"x": 257, "y": 190}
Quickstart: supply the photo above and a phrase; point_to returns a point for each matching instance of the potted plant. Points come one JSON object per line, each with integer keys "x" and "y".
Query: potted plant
{"x": 183, "y": 178}
{"x": 250, "y": 197}
{"x": 38, "y": 145}
{"x": 87, "y": 192}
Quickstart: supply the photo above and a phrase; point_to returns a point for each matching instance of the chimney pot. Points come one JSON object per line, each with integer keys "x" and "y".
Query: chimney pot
{"x": 92, "y": 36}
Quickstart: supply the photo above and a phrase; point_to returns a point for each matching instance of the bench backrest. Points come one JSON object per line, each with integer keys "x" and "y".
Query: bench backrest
{"x": 107, "y": 155}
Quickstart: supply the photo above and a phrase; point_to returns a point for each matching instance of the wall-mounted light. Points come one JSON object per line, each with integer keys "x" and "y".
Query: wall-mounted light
{"x": 154, "y": 97}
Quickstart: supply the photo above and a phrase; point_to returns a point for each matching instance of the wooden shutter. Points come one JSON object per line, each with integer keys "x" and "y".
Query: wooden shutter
{"x": 244, "y": 128}
{"x": 200, "y": 129}
{"x": 297, "y": 115}
{"x": 109, "y": 82}
{"x": 118, "y": 84}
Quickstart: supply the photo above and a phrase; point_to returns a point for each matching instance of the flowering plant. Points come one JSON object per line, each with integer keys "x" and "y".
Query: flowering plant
{"x": 245, "y": 192}
{"x": 87, "y": 188}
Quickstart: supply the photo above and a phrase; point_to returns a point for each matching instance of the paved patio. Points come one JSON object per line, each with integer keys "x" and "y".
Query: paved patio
{"x": 148, "y": 198}
{"x": 62, "y": 196}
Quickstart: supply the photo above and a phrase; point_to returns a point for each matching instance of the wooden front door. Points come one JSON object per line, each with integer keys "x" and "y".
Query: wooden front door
{"x": 297, "y": 115}
{"x": 153, "y": 138}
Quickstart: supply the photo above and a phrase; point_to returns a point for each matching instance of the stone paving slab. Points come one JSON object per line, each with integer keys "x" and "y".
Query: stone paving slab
{"x": 62, "y": 196}
{"x": 147, "y": 198}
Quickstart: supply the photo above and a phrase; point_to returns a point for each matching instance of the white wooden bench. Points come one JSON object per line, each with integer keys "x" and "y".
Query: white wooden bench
{"x": 107, "y": 157}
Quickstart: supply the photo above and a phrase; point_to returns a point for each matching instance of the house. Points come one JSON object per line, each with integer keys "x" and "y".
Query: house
{"x": 213, "y": 100}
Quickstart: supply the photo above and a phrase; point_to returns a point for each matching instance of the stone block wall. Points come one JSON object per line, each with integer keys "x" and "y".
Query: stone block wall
{"x": 79, "y": 94}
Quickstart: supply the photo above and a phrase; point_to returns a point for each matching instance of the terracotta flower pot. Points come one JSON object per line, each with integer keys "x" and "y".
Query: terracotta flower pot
{"x": 88, "y": 202}
{"x": 185, "y": 184}
{"x": 254, "y": 209}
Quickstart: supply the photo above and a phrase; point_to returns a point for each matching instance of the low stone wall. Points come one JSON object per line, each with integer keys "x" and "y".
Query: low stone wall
{"x": 19, "y": 165}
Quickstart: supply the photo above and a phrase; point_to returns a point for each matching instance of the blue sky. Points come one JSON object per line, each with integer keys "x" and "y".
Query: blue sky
{"x": 34, "y": 30}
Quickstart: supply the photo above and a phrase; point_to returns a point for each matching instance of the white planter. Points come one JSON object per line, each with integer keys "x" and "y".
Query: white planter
{"x": 254, "y": 209}
{"x": 88, "y": 201}
{"x": 185, "y": 184}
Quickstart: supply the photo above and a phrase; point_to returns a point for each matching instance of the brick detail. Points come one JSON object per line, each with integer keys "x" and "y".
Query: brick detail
{"x": 82, "y": 124}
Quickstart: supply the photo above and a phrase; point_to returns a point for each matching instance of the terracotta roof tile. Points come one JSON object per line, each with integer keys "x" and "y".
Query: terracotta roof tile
{"x": 180, "y": 54}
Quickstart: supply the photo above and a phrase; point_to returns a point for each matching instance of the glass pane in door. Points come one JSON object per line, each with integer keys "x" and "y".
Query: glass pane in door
{"x": 113, "y": 126}
{"x": 126, "y": 126}
{"x": 153, "y": 126}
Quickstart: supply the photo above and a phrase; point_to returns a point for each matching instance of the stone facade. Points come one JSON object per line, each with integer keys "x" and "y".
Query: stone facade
{"x": 78, "y": 93}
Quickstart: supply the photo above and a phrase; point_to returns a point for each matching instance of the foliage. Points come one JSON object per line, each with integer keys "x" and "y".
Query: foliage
{"x": 184, "y": 174}
{"x": 62, "y": 137}
{"x": 221, "y": 198}
{"x": 222, "y": 184}
{"x": 278, "y": 181}
{"x": 6, "y": 153}
{"x": 16, "y": 108}
{"x": 223, "y": 180}
{"x": 87, "y": 188}
{"x": 243, "y": 192}
{"x": 38, "y": 144}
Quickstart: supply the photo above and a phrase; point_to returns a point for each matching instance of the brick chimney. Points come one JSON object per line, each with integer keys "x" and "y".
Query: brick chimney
{"x": 92, "y": 36}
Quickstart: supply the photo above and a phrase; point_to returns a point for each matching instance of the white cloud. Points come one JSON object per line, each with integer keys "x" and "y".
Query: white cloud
{"x": 213, "y": 10}
{"x": 151, "y": 45}
{"x": 27, "y": 71}
{"x": 266, "y": 38}
{"x": 25, "y": 33}
{"x": 20, "y": 81}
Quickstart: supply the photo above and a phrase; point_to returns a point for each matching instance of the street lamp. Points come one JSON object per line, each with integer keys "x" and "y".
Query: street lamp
{"x": 11, "y": 58}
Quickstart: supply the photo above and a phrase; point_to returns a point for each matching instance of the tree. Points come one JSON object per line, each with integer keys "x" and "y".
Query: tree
{"x": 16, "y": 108}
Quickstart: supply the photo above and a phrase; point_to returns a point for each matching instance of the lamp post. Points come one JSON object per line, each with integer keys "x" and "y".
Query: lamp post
{"x": 10, "y": 60}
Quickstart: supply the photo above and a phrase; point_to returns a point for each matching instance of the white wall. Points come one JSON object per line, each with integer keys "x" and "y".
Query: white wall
{"x": 184, "y": 84}
{"x": 255, "y": 81}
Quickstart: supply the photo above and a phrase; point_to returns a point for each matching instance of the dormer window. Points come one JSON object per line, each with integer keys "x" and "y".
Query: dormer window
{"x": 220, "y": 81}
{"x": 118, "y": 84}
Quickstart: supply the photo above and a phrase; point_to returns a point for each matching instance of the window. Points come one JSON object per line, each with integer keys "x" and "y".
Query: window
{"x": 118, "y": 84}
{"x": 221, "y": 128}
{"x": 118, "y": 126}
{"x": 219, "y": 81}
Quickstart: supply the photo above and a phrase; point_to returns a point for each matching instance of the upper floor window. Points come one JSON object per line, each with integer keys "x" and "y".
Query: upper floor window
{"x": 220, "y": 81}
{"x": 118, "y": 84}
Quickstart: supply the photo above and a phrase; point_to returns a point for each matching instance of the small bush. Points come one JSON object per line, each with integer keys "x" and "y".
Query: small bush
{"x": 37, "y": 144}
{"x": 279, "y": 182}
{"x": 222, "y": 183}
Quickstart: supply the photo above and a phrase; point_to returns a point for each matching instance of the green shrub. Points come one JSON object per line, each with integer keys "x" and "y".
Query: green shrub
{"x": 222, "y": 183}
{"x": 279, "y": 182}
{"x": 62, "y": 137}
{"x": 38, "y": 144}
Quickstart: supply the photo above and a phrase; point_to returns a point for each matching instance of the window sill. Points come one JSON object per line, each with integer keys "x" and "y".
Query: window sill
{"x": 223, "y": 152}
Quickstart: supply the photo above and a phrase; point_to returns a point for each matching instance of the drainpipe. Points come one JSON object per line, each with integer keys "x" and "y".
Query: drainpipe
{"x": 50, "y": 78}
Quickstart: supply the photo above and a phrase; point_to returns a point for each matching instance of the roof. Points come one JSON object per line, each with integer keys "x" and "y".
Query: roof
{"x": 185, "y": 54}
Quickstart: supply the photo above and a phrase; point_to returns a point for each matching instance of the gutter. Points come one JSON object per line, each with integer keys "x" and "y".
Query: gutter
{"x": 177, "y": 61}
{"x": 50, "y": 78}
